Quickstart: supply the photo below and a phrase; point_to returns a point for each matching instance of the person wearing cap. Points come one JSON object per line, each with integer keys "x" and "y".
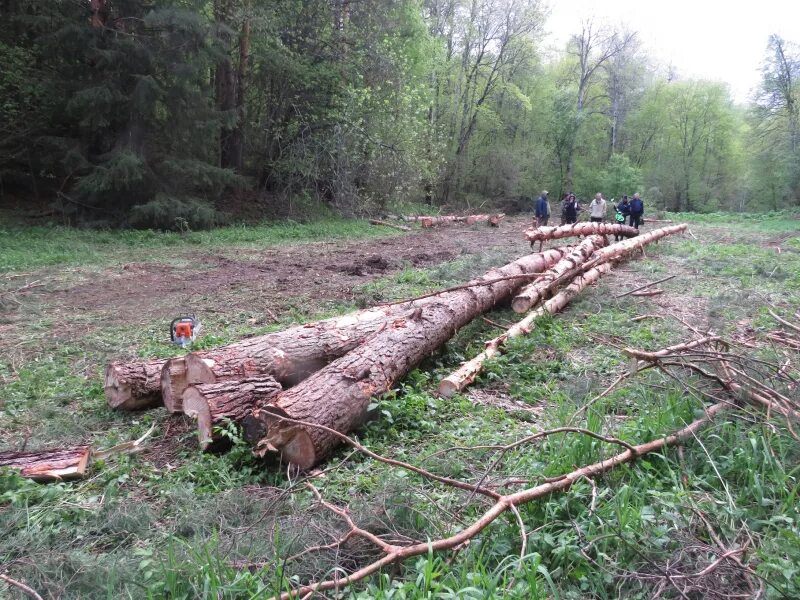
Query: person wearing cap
{"x": 542, "y": 210}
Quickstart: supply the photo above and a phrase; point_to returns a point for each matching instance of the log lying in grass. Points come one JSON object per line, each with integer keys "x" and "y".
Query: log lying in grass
{"x": 466, "y": 374}
{"x": 49, "y": 465}
{"x": 493, "y": 220}
{"x": 579, "y": 229}
{"x": 134, "y": 385}
{"x": 392, "y": 225}
{"x": 212, "y": 404}
{"x": 531, "y": 294}
{"x": 338, "y": 395}
{"x": 289, "y": 356}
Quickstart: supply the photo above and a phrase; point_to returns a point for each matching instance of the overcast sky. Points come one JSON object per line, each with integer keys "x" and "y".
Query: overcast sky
{"x": 711, "y": 39}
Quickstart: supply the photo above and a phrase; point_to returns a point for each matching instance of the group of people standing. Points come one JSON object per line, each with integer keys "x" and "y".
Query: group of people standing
{"x": 627, "y": 210}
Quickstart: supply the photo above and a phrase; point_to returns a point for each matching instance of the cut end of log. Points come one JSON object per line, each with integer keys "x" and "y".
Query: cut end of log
{"x": 291, "y": 442}
{"x": 173, "y": 384}
{"x": 119, "y": 389}
{"x": 196, "y": 407}
{"x": 49, "y": 465}
{"x": 447, "y": 388}
{"x": 521, "y": 304}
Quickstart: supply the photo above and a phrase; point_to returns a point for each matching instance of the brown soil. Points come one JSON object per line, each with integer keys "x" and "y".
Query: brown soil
{"x": 317, "y": 272}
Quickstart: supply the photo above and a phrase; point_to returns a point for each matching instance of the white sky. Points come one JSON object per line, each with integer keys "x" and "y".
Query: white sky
{"x": 710, "y": 39}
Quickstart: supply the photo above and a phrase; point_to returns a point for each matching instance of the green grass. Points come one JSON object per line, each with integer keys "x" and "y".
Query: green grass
{"x": 166, "y": 524}
{"x": 23, "y": 248}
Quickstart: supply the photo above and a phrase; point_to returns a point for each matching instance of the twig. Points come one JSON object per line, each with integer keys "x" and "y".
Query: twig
{"x": 28, "y": 591}
{"x": 783, "y": 321}
{"x": 647, "y": 285}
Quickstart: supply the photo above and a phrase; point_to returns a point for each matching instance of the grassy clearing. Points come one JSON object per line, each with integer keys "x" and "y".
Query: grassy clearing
{"x": 166, "y": 524}
{"x": 24, "y": 248}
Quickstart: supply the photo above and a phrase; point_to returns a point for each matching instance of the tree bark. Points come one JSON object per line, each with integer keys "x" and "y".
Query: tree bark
{"x": 469, "y": 220}
{"x": 597, "y": 266}
{"x": 338, "y": 395}
{"x": 134, "y": 385}
{"x": 579, "y": 229}
{"x": 49, "y": 465}
{"x": 289, "y": 356}
{"x": 213, "y": 403}
{"x": 531, "y": 294}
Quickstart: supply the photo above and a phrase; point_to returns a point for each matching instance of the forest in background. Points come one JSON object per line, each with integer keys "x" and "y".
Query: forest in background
{"x": 172, "y": 114}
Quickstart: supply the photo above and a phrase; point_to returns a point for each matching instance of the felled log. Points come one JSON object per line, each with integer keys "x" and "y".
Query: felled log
{"x": 288, "y": 356}
{"x": 469, "y": 220}
{"x": 494, "y": 220}
{"x": 134, "y": 385}
{"x": 531, "y": 294}
{"x": 338, "y": 395}
{"x": 49, "y": 465}
{"x": 579, "y": 229}
{"x": 599, "y": 264}
{"x": 212, "y": 404}
{"x": 392, "y": 225}
{"x": 466, "y": 374}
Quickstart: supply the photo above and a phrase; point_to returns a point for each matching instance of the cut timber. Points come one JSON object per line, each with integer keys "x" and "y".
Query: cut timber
{"x": 579, "y": 229}
{"x": 647, "y": 293}
{"x": 134, "y": 385}
{"x": 289, "y": 356}
{"x": 338, "y": 395}
{"x": 392, "y": 225}
{"x": 466, "y": 374}
{"x": 493, "y": 220}
{"x": 533, "y": 293}
{"x": 213, "y": 403}
{"x": 49, "y": 465}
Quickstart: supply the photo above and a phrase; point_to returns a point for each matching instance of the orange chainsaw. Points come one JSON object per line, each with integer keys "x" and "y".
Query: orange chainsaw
{"x": 183, "y": 330}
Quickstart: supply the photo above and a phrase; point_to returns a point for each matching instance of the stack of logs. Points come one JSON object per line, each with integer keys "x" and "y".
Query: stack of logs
{"x": 295, "y": 390}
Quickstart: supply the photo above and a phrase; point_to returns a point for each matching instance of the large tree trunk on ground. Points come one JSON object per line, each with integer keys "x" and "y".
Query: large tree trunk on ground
{"x": 134, "y": 385}
{"x": 49, "y": 465}
{"x": 531, "y": 294}
{"x": 338, "y": 395}
{"x": 289, "y": 356}
{"x": 578, "y": 229}
{"x": 465, "y": 375}
{"x": 213, "y": 403}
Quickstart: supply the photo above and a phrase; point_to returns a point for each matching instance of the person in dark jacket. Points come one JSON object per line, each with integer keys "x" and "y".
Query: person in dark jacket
{"x": 636, "y": 211}
{"x": 623, "y": 211}
{"x": 569, "y": 210}
{"x": 542, "y": 210}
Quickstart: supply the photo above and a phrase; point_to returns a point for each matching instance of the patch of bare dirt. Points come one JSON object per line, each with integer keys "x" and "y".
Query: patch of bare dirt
{"x": 317, "y": 272}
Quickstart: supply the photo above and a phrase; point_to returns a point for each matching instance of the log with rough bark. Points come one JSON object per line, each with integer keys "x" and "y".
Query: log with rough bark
{"x": 579, "y": 229}
{"x": 339, "y": 394}
{"x": 49, "y": 465}
{"x": 288, "y": 356}
{"x": 493, "y": 220}
{"x": 599, "y": 264}
{"x": 466, "y": 374}
{"x": 134, "y": 385}
{"x": 212, "y": 404}
{"x": 531, "y": 294}
{"x": 392, "y": 225}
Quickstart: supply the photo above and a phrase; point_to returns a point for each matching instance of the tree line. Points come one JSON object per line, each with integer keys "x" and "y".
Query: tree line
{"x": 128, "y": 112}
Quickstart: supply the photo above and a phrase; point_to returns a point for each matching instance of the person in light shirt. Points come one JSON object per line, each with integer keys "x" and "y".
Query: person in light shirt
{"x": 597, "y": 209}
